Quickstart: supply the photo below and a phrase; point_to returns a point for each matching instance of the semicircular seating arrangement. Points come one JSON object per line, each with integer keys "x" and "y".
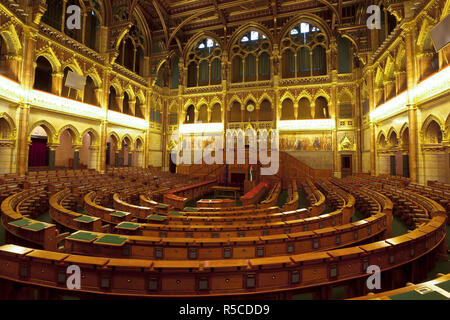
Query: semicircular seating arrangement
{"x": 128, "y": 242}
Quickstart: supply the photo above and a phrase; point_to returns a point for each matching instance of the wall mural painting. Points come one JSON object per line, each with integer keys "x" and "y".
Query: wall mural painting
{"x": 306, "y": 142}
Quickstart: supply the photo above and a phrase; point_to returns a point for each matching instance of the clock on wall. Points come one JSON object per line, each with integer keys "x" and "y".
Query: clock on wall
{"x": 250, "y": 108}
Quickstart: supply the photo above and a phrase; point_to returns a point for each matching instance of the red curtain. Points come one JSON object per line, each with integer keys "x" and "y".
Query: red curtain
{"x": 37, "y": 156}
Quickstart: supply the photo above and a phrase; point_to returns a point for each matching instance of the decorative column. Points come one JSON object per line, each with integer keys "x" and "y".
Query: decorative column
{"x": 400, "y": 80}
{"x": 130, "y": 156}
{"x": 119, "y": 101}
{"x": 83, "y": 34}
{"x": 98, "y": 95}
{"x": 132, "y": 105}
{"x": 57, "y": 79}
{"x": 24, "y": 109}
{"x": 93, "y": 157}
{"x": 412, "y": 109}
{"x": 164, "y": 129}
{"x": 76, "y": 156}
{"x": 13, "y": 63}
{"x": 63, "y": 18}
{"x": 389, "y": 89}
{"x": 358, "y": 123}
{"x": 6, "y": 155}
{"x": 372, "y": 125}
{"x": 51, "y": 156}
{"x": 116, "y": 158}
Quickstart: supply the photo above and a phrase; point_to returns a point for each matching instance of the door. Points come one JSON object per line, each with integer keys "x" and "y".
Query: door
{"x": 406, "y": 165}
{"x": 346, "y": 166}
{"x": 393, "y": 168}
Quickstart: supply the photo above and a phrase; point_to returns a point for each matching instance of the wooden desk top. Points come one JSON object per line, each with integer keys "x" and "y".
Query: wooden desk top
{"x": 98, "y": 261}
{"x": 47, "y": 255}
{"x": 234, "y": 263}
{"x": 174, "y": 264}
{"x": 130, "y": 263}
{"x": 223, "y": 188}
{"x": 13, "y": 249}
{"x": 375, "y": 246}
{"x": 345, "y": 251}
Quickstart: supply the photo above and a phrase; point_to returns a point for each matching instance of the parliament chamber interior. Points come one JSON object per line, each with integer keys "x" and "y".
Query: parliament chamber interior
{"x": 224, "y": 149}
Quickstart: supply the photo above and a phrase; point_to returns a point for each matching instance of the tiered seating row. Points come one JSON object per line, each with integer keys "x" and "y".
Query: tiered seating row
{"x": 272, "y": 197}
{"x": 188, "y": 278}
{"x": 292, "y": 199}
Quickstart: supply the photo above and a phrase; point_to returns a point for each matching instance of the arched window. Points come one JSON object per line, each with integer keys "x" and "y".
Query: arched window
{"x": 203, "y": 114}
{"x": 304, "y": 51}
{"x": 131, "y": 49}
{"x": 265, "y": 111}
{"x": 319, "y": 58}
{"x": 74, "y": 33}
{"x": 345, "y": 55}
{"x": 43, "y": 75}
{"x": 289, "y": 64}
{"x": 90, "y": 13}
{"x": 53, "y": 14}
{"x": 175, "y": 72}
{"x": 139, "y": 108}
{"x": 321, "y": 111}
{"x": 216, "y": 71}
{"x": 163, "y": 76}
{"x": 250, "y": 57}
{"x": 235, "y": 112}
{"x": 92, "y": 31}
{"x": 126, "y": 104}
{"x": 204, "y": 63}
{"x": 112, "y": 100}
{"x": 433, "y": 134}
{"x": 216, "y": 113}
{"x": 190, "y": 114}
{"x": 304, "y": 109}
{"x": 382, "y": 141}
{"x": 393, "y": 140}
{"x": 89, "y": 92}
{"x": 237, "y": 74}
{"x": 4, "y": 70}
{"x": 250, "y": 68}
{"x": 287, "y": 110}
{"x": 5, "y": 129}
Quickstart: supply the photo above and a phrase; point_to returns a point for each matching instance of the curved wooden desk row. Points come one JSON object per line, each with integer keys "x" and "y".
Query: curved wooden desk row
{"x": 314, "y": 196}
{"x": 267, "y": 215}
{"x": 248, "y": 246}
{"x": 255, "y": 195}
{"x": 292, "y": 202}
{"x": 272, "y": 197}
{"x": 45, "y": 235}
{"x": 293, "y": 221}
{"x": 71, "y": 219}
{"x": 437, "y": 289}
{"x": 441, "y": 185}
{"x": 169, "y": 279}
{"x": 178, "y": 198}
{"x": 347, "y": 198}
{"x": 430, "y": 205}
{"x": 335, "y": 218}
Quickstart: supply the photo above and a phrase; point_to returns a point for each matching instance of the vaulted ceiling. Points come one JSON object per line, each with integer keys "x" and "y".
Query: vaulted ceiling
{"x": 182, "y": 18}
